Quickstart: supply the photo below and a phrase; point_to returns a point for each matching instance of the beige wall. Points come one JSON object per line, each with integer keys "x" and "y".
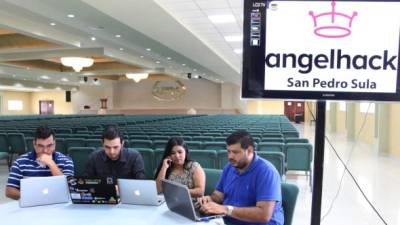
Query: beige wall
{"x": 31, "y": 102}
{"x": 200, "y": 93}
{"x": 231, "y": 98}
{"x": 25, "y": 97}
{"x": 341, "y": 121}
{"x": 367, "y": 133}
{"x": 394, "y": 126}
{"x": 60, "y": 105}
{"x": 309, "y": 106}
{"x": 91, "y": 95}
{"x": 265, "y": 107}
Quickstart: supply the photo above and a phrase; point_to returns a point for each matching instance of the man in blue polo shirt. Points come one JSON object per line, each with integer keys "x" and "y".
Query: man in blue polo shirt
{"x": 249, "y": 190}
{"x": 42, "y": 162}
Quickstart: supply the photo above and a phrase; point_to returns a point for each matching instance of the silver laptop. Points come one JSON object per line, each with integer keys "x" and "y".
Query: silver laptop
{"x": 43, "y": 191}
{"x": 179, "y": 201}
{"x": 139, "y": 192}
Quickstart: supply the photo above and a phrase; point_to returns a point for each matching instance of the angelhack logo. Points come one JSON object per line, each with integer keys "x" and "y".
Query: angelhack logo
{"x": 332, "y": 24}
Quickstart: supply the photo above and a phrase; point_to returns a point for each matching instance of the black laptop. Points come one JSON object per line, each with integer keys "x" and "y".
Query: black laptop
{"x": 179, "y": 201}
{"x": 93, "y": 190}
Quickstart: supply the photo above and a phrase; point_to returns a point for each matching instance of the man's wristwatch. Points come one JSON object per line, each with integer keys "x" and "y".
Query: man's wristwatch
{"x": 230, "y": 210}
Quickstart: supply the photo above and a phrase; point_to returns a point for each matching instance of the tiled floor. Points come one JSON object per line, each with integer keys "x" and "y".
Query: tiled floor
{"x": 378, "y": 176}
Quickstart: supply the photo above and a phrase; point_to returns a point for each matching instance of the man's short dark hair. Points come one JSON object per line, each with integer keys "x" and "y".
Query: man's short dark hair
{"x": 242, "y": 137}
{"x": 44, "y": 132}
{"x": 112, "y": 132}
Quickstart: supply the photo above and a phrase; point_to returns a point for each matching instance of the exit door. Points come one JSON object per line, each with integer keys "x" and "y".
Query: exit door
{"x": 294, "y": 110}
{"x": 46, "y": 107}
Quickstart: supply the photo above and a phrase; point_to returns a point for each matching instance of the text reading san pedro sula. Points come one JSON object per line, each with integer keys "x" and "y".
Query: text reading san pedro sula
{"x": 335, "y": 60}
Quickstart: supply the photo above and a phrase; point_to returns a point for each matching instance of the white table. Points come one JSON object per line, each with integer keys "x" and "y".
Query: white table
{"x": 76, "y": 214}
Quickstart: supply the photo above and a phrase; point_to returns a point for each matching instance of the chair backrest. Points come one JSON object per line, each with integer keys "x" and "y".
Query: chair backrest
{"x": 212, "y": 178}
{"x": 206, "y": 158}
{"x": 96, "y": 143}
{"x": 80, "y": 156}
{"x": 148, "y": 159}
{"x": 296, "y": 140}
{"x": 214, "y": 145}
{"x": 29, "y": 144}
{"x": 289, "y": 198}
{"x": 17, "y": 143}
{"x": 276, "y": 158}
{"x": 4, "y": 147}
{"x": 194, "y": 144}
{"x": 74, "y": 142}
{"x": 202, "y": 138}
{"x": 298, "y": 156}
{"x": 290, "y": 133}
{"x": 272, "y": 139}
{"x": 141, "y": 143}
{"x": 222, "y": 157}
{"x": 159, "y": 144}
{"x": 61, "y": 146}
{"x": 158, "y": 154}
{"x": 270, "y": 146}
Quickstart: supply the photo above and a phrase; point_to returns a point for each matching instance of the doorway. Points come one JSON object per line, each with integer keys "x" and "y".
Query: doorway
{"x": 46, "y": 107}
{"x": 294, "y": 110}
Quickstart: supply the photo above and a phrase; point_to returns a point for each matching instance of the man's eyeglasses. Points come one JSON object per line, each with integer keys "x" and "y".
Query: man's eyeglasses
{"x": 42, "y": 147}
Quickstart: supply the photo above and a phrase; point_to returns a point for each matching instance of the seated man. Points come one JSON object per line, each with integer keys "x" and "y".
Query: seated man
{"x": 249, "y": 190}
{"x": 114, "y": 160}
{"x": 43, "y": 161}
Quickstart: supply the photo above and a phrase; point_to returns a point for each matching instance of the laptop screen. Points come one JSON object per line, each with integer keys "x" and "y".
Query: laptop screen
{"x": 93, "y": 190}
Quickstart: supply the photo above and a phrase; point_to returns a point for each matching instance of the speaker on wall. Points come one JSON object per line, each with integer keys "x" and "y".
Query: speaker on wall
{"x": 68, "y": 96}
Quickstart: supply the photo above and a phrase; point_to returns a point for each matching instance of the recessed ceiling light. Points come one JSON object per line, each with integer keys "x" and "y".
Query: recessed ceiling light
{"x": 194, "y": 70}
{"x": 158, "y": 62}
{"x": 93, "y": 38}
{"x": 44, "y": 77}
{"x": 96, "y": 27}
{"x": 40, "y": 87}
{"x": 238, "y": 51}
{"x": 234, "y": 38}
{"x": 121, "y": 49}
{"x": 228, "y": 18}
{"x": 141, "y": 56}
{"x": 52, "y": 24}
{"x": 117, "y": 35}
{"x": 183, "y": 64}
{"x": 18, "y": 85}
{"x": 71, "y": 16}
{"x": 148, "y": 49}
{"x": 168, "y": 58}
{"x": 64, "y": 79}
{"x": 14, "y": 75}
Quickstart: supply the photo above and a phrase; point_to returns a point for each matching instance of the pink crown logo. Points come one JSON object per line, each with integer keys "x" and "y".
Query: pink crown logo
{"x": 332, "y": 24}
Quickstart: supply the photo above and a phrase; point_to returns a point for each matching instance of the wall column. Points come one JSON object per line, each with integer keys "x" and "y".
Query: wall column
{"x": 383, "y": 128}
{"x": 332, "y": 116}
{"x": 351, "y": 120}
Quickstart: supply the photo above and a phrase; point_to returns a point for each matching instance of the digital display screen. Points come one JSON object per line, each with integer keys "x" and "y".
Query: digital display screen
{"x": 338, "y": 50}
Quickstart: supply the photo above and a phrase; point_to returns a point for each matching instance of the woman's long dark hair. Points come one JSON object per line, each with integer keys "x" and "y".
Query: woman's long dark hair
{"x": 172, "y": 142}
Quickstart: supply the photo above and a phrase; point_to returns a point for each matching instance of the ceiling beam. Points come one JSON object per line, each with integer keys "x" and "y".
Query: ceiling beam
{"x": 23, "y": 54}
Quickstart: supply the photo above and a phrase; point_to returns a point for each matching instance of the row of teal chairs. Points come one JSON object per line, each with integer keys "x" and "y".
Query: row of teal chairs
{"x": 207, "y": 158}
